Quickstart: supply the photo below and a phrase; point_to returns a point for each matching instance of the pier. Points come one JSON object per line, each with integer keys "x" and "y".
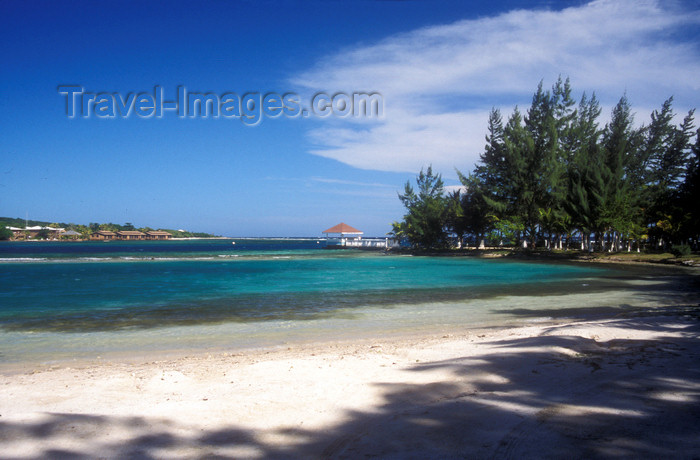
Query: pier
{"x": 343, "y": 236}
{"x": 359, "y": 243}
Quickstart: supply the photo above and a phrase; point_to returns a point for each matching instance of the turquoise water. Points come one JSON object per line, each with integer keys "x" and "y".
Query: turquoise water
{"x": 131, "y": 290}
{"x": 38, "y": 251}
{"x": 81, "y": 293}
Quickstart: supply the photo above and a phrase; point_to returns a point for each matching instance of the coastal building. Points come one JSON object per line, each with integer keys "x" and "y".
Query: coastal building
{"x": 103, "y": 235}
{"x": 56, "y": 233}
{"x": 32, "y": 232}
{"x": 130, "y": 235}
{"x": 339, "y": 235}
{"x": 343, "y": 236}
{"x": 17, "y": 233}
{"x": 70, "y": 235}
{"x": 158, "y": 235}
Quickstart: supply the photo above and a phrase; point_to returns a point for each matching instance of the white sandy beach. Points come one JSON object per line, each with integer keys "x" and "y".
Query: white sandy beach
{"x": 621, "y": 387}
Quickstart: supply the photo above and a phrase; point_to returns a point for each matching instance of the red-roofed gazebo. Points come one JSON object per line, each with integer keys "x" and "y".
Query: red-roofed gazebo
{"x": 342, "y": 236}
{"x": 343, "y": 229}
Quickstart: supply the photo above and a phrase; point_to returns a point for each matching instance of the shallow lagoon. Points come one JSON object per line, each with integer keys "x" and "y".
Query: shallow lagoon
{"x": 56, "y": 302}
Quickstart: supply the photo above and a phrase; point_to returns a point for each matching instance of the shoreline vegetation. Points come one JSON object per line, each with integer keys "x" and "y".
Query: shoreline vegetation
{"x": 553, "y": 177}
{"x": 660, "y": 258}
{"x": 551, "y": 255}
{"x": 37, "y": 230}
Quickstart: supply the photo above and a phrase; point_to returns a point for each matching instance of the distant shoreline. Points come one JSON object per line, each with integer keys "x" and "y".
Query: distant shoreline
{"x": 200, "y": 238}
{"x": 571, "y": 256}
{"x": 562, "y": 256}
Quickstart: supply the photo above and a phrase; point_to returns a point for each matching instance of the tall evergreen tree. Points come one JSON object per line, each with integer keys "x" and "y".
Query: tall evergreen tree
{"x": 679, "y": 161}
{"x": 689, "y": 200}
{"x": 427, "y": 211}
{"x": 518, "y": 192}
{"x": 555, "y": 218}
{"x": 565, "y": 116}
{"x": 491, "y": 176}
{"x": 674, "y": 159}
{"x": 493, "y": 170}
{"x": 620, "y": 207}
{"x": 586, "y": 172}
{"x": 664, "y": 157}
{"x": 474, "y": 208}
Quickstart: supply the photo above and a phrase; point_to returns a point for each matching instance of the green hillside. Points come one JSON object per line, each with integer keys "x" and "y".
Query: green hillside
{"x": 85, "y": 230}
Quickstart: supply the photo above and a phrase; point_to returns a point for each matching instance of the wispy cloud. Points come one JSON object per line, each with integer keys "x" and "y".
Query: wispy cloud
{"x": 439, "y": 82}
{"x": 341, "y": 187}
{"x": 326, "y": 180}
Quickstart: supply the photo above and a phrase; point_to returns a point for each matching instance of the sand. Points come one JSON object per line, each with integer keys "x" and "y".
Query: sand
{"x": 618, "y": 387}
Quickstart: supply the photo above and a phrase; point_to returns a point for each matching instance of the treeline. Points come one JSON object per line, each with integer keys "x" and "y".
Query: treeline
{"x": 93, "y": 227}
{"x": 86, "y": 230}
{"x": 20, "y": 223}
{"x": 554, "y": 177}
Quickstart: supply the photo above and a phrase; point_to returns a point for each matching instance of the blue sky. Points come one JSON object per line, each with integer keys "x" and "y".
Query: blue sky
{"x": 439, "y": 65}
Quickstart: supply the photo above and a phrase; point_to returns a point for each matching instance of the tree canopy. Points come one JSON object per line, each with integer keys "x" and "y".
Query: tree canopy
{"x": 556, "y": 175}
{"x": 427, "y": 210}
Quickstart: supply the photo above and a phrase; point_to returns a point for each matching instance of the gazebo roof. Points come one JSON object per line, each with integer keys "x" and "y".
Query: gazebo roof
{"x": 343, "y": 228}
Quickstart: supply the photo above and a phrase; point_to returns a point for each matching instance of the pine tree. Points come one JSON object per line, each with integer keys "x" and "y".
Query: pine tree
{"x": 586, "y": 172}
{"x": 674, "y": 159}
{"x": 544, "y": 167}
{"x": 474, "y": 209}
{"x": 491, "y": 176}
{"x": 664, "y": 156}
{"x": 621, "y": 212}
{"x": 555, "y": 219}
{"x": 492, "y": 171}
{"x": 681, "y": 162}
{"x": 518, "y": 192}
{"x": 689, "y": 200}
{"x": 564, "y": 115}
{"x": 427, "y": 211}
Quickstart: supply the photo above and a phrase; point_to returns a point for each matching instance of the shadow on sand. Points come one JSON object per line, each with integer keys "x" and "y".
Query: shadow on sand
{"x": 551, "y": 396}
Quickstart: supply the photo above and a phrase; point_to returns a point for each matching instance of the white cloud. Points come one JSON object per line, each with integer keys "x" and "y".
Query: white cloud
{"x": 405, "y": 144}
{"x": 450, "y": 189}
{"x": 326, "y": 180}
{"x": 440, "y": 82}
